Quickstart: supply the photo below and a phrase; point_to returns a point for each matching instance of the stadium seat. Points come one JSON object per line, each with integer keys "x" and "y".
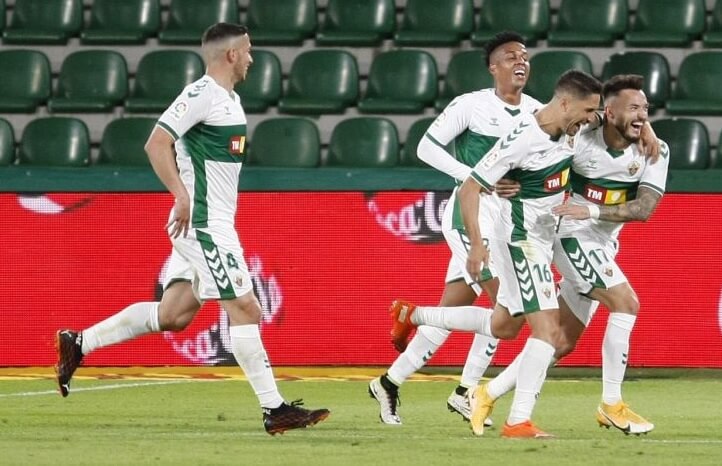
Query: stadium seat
{"x": 55, "y": 141}
{"x": 364, "y": 142}
{"x": 123, "y": 141}
{"x": 121, "y": 22}
{"x": 713, "y": 36}
{"x": 25, "y": 77}
{"x": 530, "y": 18}
{"x": 666, "y": 23}
{"x": 408, "y": 157}
{"x": 688, "y": 142}
{"x": 400, "y": 81}
{"x": 321, "y": 81}
{"x": 546, "y": 67}
{"x": 281, "y": 22}
{"x": 466, "y": 72}
{"x": 187, "y": 19}
{"x": 434, "y": 23}
{"x": 262, "y": 87}
{"x": 44, "y": 22}
{"x": 698, "y": 90}
{"x": 160, "y": 77}
{"x": 591, "y": 23}
{"x": 286, "y": 142}
{"x": 90, "y": 81}
{"x": 717, "y": 162}
{"x": 7, "y": 143}
{"x": 357, "y": 23}
{"x": 2, "y": 15}
{"x": 652, "y": 65}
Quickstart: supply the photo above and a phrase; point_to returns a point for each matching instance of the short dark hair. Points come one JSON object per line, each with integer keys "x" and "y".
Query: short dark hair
{"x": 620, "y": 82}
{"x": 498, "y": 40}
{"x": 578, "y": 83}
{"x": 221, "y": 31}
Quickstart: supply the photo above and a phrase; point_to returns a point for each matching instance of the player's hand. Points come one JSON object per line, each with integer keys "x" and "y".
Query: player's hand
{"x": 507, "y": 188}
{"x": 477, "y": 259}
{"x": 649, "y": 144}
{"x": 574, "y": 211}
{"x": 180, "y": 219}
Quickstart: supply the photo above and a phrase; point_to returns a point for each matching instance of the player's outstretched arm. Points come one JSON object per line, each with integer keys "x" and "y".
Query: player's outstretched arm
{"x": 640, "y": 209}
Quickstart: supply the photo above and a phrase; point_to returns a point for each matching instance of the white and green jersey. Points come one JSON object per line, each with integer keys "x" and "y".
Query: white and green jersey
{"x": 208, "y": 125}
{"x": 604, "y": 176}
{"x": 471, "y": 124}
{"x": 541, "y": 165}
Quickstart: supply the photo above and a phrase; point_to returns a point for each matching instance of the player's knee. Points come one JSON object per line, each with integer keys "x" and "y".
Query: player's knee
{"x": 506, "y": 331}
{"x": 563, "y": 347}
{"x": 175, "y": 323}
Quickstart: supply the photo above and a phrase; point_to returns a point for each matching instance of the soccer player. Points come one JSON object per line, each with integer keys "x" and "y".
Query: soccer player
{"x": 473, "y": 122}
{"x": 612, "y": 183}
{"x": 538, "y": 153}
{"x": 197, "y": 149}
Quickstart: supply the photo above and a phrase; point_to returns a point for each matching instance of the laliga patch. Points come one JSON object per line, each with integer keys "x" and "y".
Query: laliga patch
{"x": 490, "y": 159}
{"x": 178, "y": 110}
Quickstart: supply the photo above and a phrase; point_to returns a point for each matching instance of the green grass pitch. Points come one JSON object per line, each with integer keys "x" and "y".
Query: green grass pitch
{"x": 213, "y": 422}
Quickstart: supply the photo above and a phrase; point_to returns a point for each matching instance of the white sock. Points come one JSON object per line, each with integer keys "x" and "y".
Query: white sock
{"x": 135, "y": 320}
{"x": 535, "y": 359}
{"x": 615, "y": 350}
{"x": 505, "y": 381}
{"x": 465, "y": 318}
{"x": 420, "y": 349}
{"x": 480, "y": 354}
{"x": 251, "y": 356}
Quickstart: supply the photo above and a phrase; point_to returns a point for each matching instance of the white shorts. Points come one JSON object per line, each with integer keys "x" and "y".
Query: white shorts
{"x": 459, "y": 243}
{"x": 587, "y": 262}
{"x": 582, "y": 307}
{"x": 526, "y": 283}
{"x": 212, "y": 260}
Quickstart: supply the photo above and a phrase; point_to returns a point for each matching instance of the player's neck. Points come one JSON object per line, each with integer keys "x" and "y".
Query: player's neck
{"x": 221, "y": 78}
{"x": 613, "y": 139}
{"x": 548, "y": 118}
{"x": 508, "y": 96}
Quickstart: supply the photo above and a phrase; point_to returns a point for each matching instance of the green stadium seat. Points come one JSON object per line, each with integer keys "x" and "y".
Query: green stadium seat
{"x": 281, "y": 22}
{"x": 400, "y": 81}
{"x": 530, "y": 18}
{"x": 688, "y": 141}
{"x": 434, "y": 23}
{"x": 652, "y": 65}
{"x": 589, "y": 23}
{"x": 25, "y": 77}
{"x": 286, "y": 142}
{"x": 160, "y": 77}
{"x": 55, "y": 142}
{"x": 666, "y": 23}
{"x": 121, "y": 22}
{"x": 7, "y": 143}
{"x": 321, "y": 81}
{"x": 713, "y": 36}
{"x": 187, "y": 19}
{"x": 123, "y": 141}
{"x": 546, "y": 67}
{"x": 408, "y": 157}
{"x": 698, "y": 90}
{"x": 357, "y": 23}
{"x": 717, "y": 161}
{"x": 2, "y": 15}
{"x": 263, "y": 84}
{"x": 90, "y": 81}
{"x": 466, "y": 72}
{"x": 364, "y": 142}
{"x": 44, "y": 22}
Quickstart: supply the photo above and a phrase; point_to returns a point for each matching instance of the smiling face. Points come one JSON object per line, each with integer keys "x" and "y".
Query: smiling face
{"x": 627, "y": 111}
{"x": 509, "y": 64}
{"x": 579, "y": 112}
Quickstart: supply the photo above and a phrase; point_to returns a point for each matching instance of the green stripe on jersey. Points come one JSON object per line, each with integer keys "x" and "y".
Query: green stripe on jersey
{"x": 546, "y": 182}
{"x": 215, "y": 265}
{"x": 604, "y": 191}
{"x": 517, "y": 219}
{"x": 217, "y": 143}
{"x": 199, "y": 216}
{"x": 470, "y": 147}
{"x": 169, "y": 129}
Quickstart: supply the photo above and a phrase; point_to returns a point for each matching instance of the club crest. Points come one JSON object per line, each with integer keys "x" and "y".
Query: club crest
{"x": 633, "y": 168}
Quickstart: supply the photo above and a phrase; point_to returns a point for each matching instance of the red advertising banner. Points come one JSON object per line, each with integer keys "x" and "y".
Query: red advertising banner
{"x": 326, "y": 266}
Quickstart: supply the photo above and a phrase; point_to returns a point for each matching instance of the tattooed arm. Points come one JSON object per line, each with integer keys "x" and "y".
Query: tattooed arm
{"x": 640, "y": 209}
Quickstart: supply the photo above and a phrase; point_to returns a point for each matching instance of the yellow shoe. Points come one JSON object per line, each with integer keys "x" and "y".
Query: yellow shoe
{"x": 619, "y": 415}
{"x": 524, "y": 429}
{"x": 481, "y": 407}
